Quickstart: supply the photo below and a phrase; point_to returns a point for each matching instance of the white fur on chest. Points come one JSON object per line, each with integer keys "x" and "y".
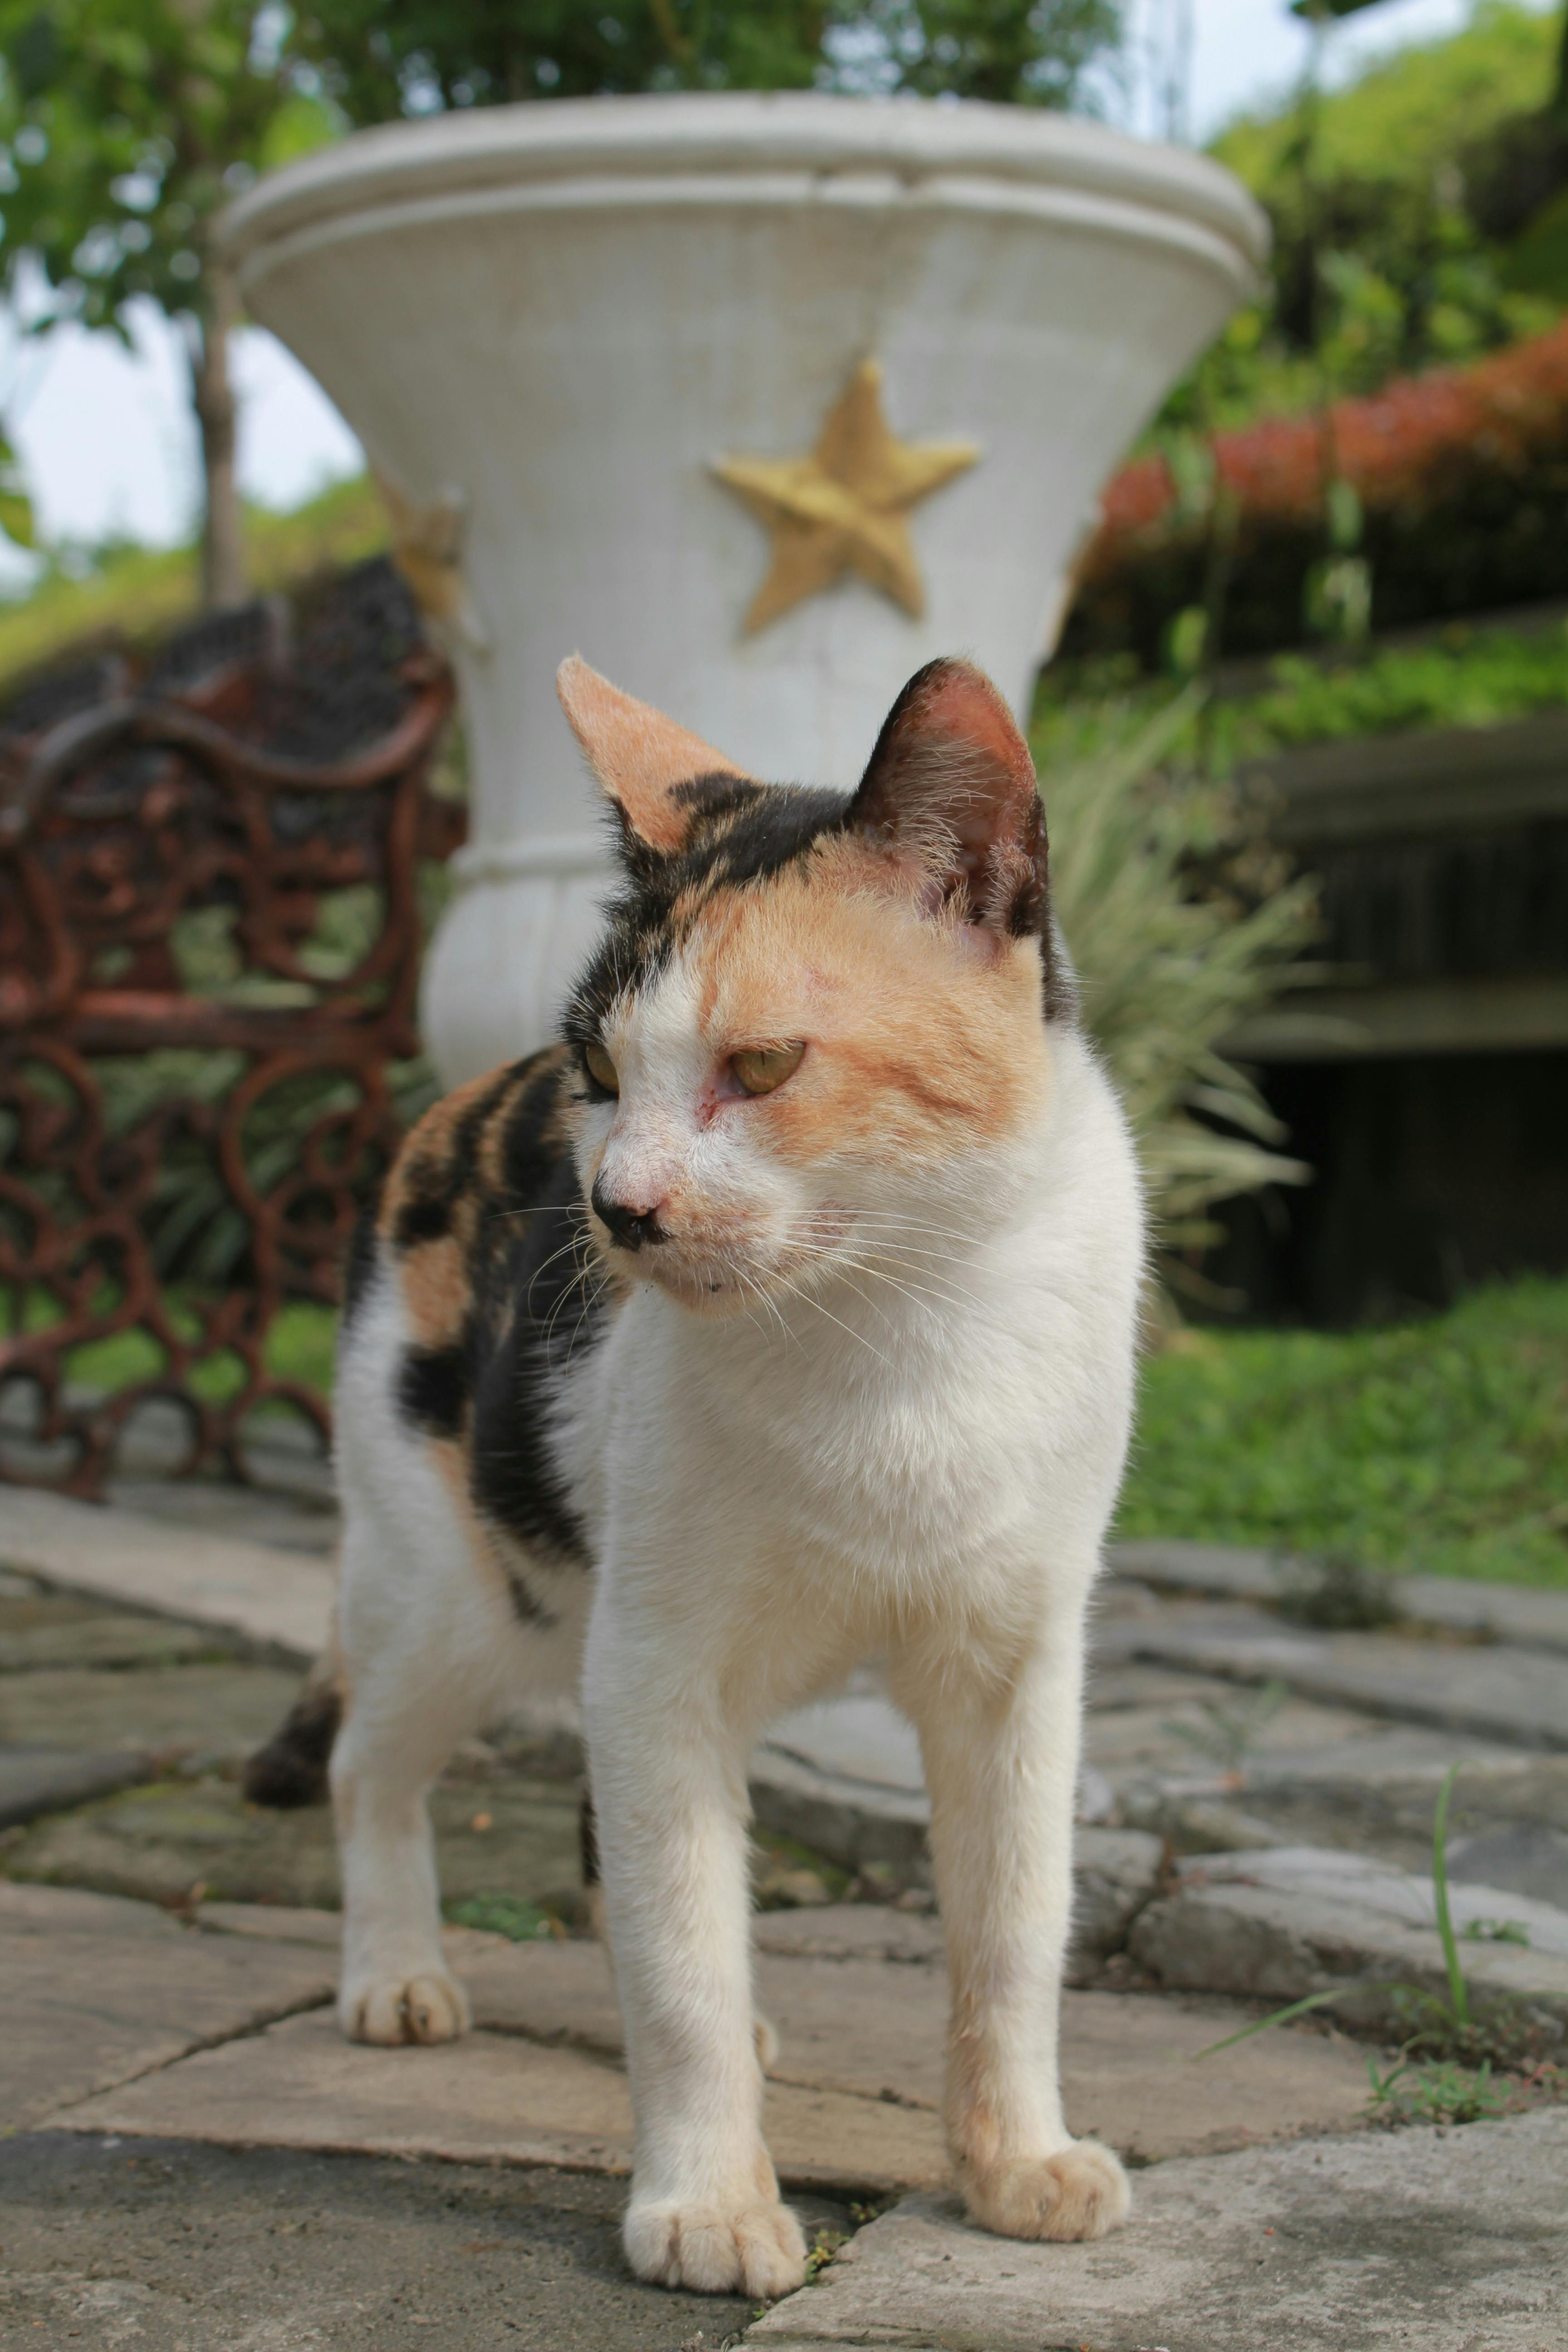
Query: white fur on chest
{"x": 924, "y": 1435}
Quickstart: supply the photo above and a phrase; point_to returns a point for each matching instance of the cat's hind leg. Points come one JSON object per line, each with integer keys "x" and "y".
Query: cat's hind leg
{"x": 430, "y": 1646}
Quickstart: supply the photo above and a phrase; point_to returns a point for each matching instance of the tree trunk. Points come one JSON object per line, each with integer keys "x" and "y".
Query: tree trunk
{"x": 211, "y": 395}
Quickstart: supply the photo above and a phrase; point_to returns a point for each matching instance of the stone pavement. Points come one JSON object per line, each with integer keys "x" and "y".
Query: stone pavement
{"x": 115, "y": 2245}
{"x": 1255, "y": 1806}
{"x": 1431, "y": 2241}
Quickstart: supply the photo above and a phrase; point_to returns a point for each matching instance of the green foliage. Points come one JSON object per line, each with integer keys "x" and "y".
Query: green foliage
{"x": 1028, "y": 52}
{"x": 1439, "y": 1445}
{"x": 1464, "y": 677}
{"x": 1410, "y": 114}
{"x": 1167, "y": 963}
{"x": 15, "y": 506}
{"x": 1381, "y": 264}
{"x": 505, "y": 1914}
{"x": 125, "y": 124}
{"x": 382, "y": 57}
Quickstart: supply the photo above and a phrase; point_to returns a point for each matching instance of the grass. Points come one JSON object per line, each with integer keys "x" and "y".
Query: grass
{"x": 298, "y": 1348}
{"x": 136, "y": 595}
{"x": 1440, "y": 1446}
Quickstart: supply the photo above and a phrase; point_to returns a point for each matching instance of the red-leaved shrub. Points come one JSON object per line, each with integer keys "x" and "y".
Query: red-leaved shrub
{"x": 1463, "y": 480}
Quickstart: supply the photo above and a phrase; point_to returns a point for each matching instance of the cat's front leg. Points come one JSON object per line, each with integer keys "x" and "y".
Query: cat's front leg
{"x": 670, "y": 1799}
{"x": 1001, "y": 1747}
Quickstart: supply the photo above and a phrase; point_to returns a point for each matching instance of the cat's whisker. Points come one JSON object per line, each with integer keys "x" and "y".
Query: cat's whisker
{"x": 795, "y": 1290}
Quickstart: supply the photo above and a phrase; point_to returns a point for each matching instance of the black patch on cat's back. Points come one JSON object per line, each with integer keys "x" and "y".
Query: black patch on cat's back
{"x": 433, "y": 1389}
{"x": 359, "y": 1265}
{"x": 491, "y": 1172}
{"x": 550, "y": 1282}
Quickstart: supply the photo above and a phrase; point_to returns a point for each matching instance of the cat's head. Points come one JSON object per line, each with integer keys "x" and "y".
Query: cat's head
{"x": 817, "y": 1026}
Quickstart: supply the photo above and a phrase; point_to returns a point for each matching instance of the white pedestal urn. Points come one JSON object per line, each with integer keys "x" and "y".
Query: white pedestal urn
{"x": 758, "y": 402}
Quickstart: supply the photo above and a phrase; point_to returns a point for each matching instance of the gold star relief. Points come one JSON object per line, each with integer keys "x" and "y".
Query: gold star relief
{"x": 845, "y": 508}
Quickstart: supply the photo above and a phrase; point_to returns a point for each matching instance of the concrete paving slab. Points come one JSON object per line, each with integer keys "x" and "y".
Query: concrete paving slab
{"x": 853, "y": 1822}
{"x": 1495, "y": 1691}
{"x": 166, "y": 2246}
{"x": 1375, "y": 1795}
{"x": 859, "y": 1734}
{"x": 35, "y": 1780}
{"x": 274, "y": 1923}
{"x": 304, "y": 1519}
{"x": 158, "y": 1842}
{"x": 62, "y": 1629}
{"x": 1524, "y": 1857}
{"x": 98, "y": 1992}
{"x": 1453, "y": 2241}
{"x": 877, "y": 2031}
{"x": 1508, "y": 1612}
{"x": 219, "y": 1710}
{"x": 1167, "y": 1735}
{"x": 1128, "y": 2075}
{"x": 1280, "y": 1924}
{"x": 490, "y": 2097}
{"x": 849, "y": 1931}
{"x": 259, "y": 1591}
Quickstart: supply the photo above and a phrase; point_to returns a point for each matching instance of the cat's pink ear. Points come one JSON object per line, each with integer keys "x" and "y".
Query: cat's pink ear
{"x": 638, "y": 755}
{"x": 951, "y": 782}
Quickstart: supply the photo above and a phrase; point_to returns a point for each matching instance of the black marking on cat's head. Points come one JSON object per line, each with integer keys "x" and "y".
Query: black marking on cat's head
{"x": 738, "y": 834}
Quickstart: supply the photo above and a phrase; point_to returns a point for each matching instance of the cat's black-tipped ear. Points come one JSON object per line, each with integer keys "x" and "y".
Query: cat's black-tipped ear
{"x": 951, "y": 782}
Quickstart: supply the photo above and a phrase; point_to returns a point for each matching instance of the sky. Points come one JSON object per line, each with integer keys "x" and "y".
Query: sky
{"x": 105, "y": 433}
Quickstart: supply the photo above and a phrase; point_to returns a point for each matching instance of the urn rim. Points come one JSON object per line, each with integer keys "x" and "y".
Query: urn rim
{"x": 684, "y": 137}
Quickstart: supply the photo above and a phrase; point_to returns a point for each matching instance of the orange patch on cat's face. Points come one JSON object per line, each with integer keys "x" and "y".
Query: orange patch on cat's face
{"x": 921, "y": 1040}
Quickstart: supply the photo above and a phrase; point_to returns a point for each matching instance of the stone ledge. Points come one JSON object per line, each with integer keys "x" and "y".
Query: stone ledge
{"x": 1501, "y": 1691}
{"x": 1508, "y": 1612}
{"x": 1300, "y": 1920}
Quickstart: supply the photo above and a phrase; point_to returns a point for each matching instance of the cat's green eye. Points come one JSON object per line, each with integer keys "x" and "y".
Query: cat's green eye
{"x": 601, "y": 1069}
{"x": 761, "y": 1069}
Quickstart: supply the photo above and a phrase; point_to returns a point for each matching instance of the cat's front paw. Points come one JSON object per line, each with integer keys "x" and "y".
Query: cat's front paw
{"x": 753, "y": 2250}
{"x": 1080, "y": 2192}
{"x": 428, "y": 2006}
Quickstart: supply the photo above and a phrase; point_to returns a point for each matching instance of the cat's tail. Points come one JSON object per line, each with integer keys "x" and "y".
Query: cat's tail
{"x": 291, "y": 1768}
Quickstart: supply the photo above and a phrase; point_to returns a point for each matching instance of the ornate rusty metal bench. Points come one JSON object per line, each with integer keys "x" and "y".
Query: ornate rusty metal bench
{"x": 209, "y": 945}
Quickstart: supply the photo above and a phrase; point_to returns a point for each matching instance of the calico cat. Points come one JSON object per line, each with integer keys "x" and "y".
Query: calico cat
{"x": 781, "y": 1315}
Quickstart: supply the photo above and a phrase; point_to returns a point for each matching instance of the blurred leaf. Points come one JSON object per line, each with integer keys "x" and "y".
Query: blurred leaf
{"x": 15, "y": 506}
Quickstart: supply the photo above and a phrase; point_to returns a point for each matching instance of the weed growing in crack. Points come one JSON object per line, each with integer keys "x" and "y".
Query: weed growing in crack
{"x": 1443, "y": 2070}
{"x": 823, "y": 2246}
{"x": 1417, "y": 2091}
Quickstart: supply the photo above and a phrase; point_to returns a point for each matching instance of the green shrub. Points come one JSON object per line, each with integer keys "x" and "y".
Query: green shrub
{"x": 1180, "y": 926}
